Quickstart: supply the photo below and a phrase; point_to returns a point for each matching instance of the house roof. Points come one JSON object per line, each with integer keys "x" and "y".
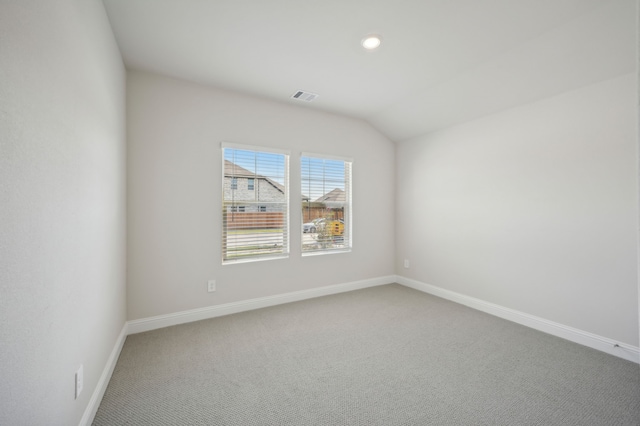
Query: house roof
{"x": 232, "y": 169}
{"x": 336, "y": 195}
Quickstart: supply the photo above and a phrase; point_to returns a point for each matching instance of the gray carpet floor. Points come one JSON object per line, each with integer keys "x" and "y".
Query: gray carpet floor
{"x": 386, "y": 355}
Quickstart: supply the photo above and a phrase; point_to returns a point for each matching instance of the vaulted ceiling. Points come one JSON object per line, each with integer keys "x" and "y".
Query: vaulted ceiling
{"x": 441, "y": 62}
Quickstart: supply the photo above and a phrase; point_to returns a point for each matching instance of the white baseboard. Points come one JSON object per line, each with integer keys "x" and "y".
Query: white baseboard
{"x": 101, "y": 387}
{"x": 604, "y": 344}
{"x": 161, "y": 321}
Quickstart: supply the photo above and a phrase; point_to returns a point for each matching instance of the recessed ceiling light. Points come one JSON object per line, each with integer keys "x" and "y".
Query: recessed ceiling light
{"x": 371, "y": 42}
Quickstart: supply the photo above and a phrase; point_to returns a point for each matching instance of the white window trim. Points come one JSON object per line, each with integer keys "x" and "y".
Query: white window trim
{"x": 244, "y": 147}
{"x": 326, "y": 157}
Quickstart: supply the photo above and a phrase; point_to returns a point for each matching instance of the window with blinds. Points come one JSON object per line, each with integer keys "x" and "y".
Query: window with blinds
{"x": 255, "y": 204}
{"x": 326, "y": 204}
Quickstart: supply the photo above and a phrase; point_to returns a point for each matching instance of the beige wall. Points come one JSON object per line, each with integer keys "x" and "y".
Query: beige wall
{"x": 62, "y": 206}
{"x": 534, "y": 209}
{"x": 174, "y": 200}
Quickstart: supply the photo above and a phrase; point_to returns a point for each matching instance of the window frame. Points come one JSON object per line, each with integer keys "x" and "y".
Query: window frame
{"x": 348, "y": 204}
{"x": 283, "y": 206}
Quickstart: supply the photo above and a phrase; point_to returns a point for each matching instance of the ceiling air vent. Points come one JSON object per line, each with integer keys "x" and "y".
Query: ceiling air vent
{"x": 304, "y": 96}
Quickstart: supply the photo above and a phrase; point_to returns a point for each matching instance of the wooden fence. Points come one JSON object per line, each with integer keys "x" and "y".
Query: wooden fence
{"x": 275, "y": 220}
{"x": 310, "y": 213}
{"x": 254, "y": 220}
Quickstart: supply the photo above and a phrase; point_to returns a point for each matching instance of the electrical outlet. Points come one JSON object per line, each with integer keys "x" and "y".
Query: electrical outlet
{"x": 406, "y": 263}
{"x": 211, "y": 286}
{"x": 79, "y": 380}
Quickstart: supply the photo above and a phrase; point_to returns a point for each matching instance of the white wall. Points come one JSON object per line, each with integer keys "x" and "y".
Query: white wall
{"x": 174, "y": 199}
{"x": 62, "y": 206}
{"x": 534, "y": 209}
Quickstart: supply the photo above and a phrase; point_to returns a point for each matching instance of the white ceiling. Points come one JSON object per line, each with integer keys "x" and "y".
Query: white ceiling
{"x": 441, "y": 62}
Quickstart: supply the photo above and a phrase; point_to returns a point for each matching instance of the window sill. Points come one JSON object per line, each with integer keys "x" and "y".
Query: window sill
{"x": 253, "y": 259}
{"x": 322, "y": 252}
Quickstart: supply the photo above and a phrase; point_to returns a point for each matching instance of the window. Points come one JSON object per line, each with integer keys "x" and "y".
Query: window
{"x": 326, "y": 204}
{"x": 255, "y": 203}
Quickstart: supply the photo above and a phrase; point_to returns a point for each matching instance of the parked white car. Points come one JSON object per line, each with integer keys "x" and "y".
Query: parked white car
{"x": 313, "y": 226}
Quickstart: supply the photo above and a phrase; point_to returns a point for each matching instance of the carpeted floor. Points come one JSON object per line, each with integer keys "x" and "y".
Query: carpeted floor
{"x": 386, "y": 355}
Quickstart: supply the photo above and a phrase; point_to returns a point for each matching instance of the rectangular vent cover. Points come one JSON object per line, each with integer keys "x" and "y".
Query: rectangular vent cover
{"x": 304, "y": 96}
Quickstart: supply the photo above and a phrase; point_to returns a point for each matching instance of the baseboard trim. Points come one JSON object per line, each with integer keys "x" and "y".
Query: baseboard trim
{"x": 101, "y": 387}
{"x": 161, "y": 321}
{"x": 604, "y": 344}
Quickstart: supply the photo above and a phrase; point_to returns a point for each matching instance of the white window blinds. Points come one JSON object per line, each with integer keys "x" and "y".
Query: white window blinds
{"x": 326, "y": 204}
{"x": 255, "y": 204}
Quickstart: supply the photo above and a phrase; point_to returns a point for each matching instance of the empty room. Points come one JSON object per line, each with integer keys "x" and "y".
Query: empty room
{"x": 285, "y": 212}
